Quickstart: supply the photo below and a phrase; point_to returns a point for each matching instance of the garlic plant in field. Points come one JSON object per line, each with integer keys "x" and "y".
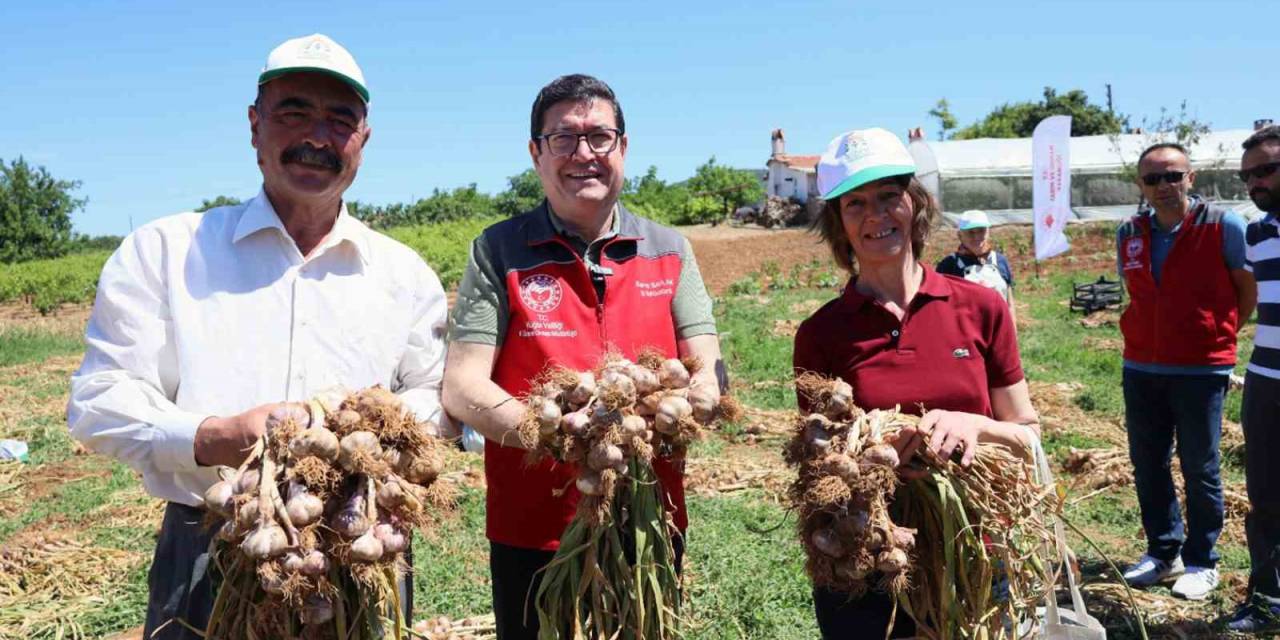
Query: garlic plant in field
{"x": 613, "y": 576}
{"x": 314, "y": 523}
{"x": 961, "y": 550}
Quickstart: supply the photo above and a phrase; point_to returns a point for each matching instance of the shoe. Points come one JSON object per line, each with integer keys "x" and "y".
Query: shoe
{"x": 1196, "y": 583}
{"x": 1148, "y": 571}
{"x": 1253, "y": 619}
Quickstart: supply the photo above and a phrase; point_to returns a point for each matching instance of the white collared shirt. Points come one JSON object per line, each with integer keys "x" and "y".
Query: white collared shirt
{"x": 212, "y": 314}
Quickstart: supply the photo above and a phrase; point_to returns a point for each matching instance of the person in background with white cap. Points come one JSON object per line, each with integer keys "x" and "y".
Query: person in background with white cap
{"x": 204, "y": 323}
{"x": 976, "y": 260}
{"x": 902, "y": 335}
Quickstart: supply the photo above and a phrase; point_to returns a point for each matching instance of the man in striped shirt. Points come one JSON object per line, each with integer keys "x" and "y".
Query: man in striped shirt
{"x": 1260, "y": 412}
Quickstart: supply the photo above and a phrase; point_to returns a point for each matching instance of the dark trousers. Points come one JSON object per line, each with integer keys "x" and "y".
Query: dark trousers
{"x": 1161, "y": 411}
{"x": 181, "y": 576}
{"x": 515, "y": 577}
{"x": 1261, "y": 417}
{"x": 840, "y": 618}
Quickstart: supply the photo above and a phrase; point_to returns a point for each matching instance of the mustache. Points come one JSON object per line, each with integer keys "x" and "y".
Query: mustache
{"x": 1259, "y": 192}
{"x": 307, "y": 154}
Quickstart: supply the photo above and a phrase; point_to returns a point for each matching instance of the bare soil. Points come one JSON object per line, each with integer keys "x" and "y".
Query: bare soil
{"x": 727, "y": 254}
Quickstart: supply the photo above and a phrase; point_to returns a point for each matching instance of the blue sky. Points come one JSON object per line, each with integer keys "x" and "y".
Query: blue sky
{"x": 145, "y": 102}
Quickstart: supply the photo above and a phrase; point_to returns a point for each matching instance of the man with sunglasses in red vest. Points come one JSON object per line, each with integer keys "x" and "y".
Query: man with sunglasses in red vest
{"x": 1182, "y": 261}
{"x": 576, "y": 277}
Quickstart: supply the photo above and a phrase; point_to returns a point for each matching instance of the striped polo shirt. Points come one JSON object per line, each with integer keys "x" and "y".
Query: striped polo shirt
{"x": 1262, "y": 257}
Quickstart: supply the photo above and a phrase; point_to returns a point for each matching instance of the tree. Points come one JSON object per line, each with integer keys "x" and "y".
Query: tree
{"x": 946, "y": 121}
{"x": 1019, "y": 119}
{"x": 442, "y": 206}
{"x": 524, "y": 192}
{"x": 35, "y": 212}
{"x": 1182, "y": 128}
{"x": 219, "y": 201}
{"x": 730, "y": 188}
{"x": 651, "y": 197}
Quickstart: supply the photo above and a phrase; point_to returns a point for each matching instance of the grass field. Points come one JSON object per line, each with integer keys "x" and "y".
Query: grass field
{"x": 76, "y": 530}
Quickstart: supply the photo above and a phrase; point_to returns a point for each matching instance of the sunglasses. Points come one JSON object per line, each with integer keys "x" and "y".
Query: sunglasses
{"x": 1260, "y": 171}
{"x": 1172, "y": 177}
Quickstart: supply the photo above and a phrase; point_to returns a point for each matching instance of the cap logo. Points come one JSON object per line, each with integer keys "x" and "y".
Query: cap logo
{"x": 316, "y": 49}
{"x": 856, "y": 145}
{"x": 541, "y": 293}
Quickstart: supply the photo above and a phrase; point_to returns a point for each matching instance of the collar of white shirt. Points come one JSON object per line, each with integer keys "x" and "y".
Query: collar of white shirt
{"x": 260, "y": 215}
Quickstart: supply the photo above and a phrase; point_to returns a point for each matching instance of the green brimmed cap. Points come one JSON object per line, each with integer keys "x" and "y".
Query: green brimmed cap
{"x": 861, "y": 156}
{"x": 316, "y": 52}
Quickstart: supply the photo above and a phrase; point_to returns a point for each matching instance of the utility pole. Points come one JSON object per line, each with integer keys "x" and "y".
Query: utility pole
{"x": 1109, "y": 108}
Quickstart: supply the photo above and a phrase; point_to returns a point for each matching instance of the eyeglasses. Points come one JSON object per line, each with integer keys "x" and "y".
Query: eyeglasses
{"x": 1172, "y": 177}
{"x": 1260, "y": 171}
{"x": 600, "y": 141}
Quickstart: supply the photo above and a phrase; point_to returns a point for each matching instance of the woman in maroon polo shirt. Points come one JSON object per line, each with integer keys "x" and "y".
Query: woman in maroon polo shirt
{"x": 902, "y": 334}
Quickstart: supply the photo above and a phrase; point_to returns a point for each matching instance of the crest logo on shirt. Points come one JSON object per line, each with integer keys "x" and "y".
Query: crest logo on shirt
{"x": 541, "y": 293}
{"x": 959, "y": 353}
{"x": 1132, "y": 254}
{"x": 1133, "y": 248}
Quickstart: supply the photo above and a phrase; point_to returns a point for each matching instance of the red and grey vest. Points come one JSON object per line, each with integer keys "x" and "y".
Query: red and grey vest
{"x": 555, "y": 317}
{"x": 1190, "y": 318}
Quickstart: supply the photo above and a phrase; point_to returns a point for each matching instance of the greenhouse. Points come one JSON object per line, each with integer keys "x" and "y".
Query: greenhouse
{"x": 995, "y": 174}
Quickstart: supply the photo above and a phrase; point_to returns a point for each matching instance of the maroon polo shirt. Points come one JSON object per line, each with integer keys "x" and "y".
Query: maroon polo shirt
{"x": 955, "y": 343}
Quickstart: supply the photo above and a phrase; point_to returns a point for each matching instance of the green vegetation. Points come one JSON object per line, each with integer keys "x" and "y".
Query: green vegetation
{"x": 217, "y": 201}
{"x": 445, "y": 245}
{"x": 19, "y": 345}
{"x": 45, "y": 284}
{"x": 35, "y": 212}
{"x": 1019, "y": 119}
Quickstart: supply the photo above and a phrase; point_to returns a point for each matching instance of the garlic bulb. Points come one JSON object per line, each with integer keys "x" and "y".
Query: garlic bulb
{"x": 352, "y": 521}
{"x": 574, "y": 423}
{"x": 393, "y": 540}
{"x": 646, "y": 380}
{"x": 316, "y": 441}
{"x": 247, "y": 481}
{"x": 366, "y": 548}
{"x": 582, "y": 392}
{"x": 420, "y": 469}
{"x": 671, "y": 411}
{"x": 217, "y": 498}
{"x": 547, "y": 412}
{"x": 604, "y": 456}
{"x": 314, "y": 564}
{"x": 673, "y": 374}
{"x": 303, "y": 506}
{"x": 266, "y": 541}
{"x": 356, "y": 448}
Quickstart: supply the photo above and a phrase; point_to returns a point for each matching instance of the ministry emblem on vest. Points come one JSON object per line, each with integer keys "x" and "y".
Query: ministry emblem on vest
{"x": 541, "y": 293}
{"x": 1132, "y": 254}
{"x": 1133, "y": 248}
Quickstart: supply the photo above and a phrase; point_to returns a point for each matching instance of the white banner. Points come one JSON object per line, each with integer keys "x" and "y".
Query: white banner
{"x": 1051, "y": 184}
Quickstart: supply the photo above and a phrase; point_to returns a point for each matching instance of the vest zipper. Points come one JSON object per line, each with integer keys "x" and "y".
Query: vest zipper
{"x": 604, "y": 337}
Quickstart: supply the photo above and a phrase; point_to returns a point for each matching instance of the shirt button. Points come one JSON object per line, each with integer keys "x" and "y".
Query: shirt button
{"x": 894, "y": 333}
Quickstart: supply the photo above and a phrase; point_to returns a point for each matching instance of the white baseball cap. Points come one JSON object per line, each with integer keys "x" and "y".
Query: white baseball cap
{"x": 973, "y": 219}
{"x": 860, "y": 156}
{"x": 316, "y": 52}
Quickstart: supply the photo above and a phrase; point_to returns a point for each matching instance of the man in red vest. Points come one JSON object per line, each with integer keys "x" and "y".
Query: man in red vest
{"x": 1183, "y": 264}
{"x": 575, "y": 277}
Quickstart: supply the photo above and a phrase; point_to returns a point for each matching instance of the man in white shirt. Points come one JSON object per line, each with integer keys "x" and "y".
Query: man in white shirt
{"x": 205, "y": 322}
